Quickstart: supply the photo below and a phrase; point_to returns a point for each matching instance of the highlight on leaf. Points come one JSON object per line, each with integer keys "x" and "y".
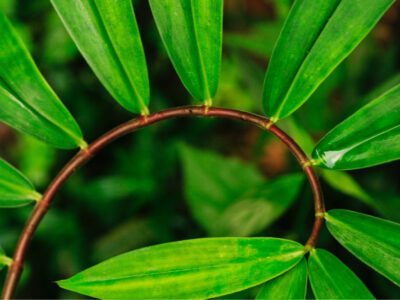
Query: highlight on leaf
{"x": 107, "y": 35}
{"x": 374, "y": 241}
{"x": 369, "y": 137}
{"x": 332, "y": 279}
{"x": 290, "y": 285}
{"x": 316, "y": 37}
{"x": 24, "y": 90}
{"x": 15, "y": 188}
{"x": 192, "y": 34}
{"x": 201, "y": 268}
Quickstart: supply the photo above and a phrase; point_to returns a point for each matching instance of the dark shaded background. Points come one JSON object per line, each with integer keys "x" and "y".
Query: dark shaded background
{"x": 133, "y": 193}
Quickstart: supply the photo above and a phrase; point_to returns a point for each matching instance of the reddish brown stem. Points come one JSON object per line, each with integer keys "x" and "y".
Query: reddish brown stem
{"x": 84, "y": 155}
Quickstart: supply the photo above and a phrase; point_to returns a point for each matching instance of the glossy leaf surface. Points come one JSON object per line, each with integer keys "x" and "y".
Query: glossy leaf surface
{"x": 195, "y": 269}
{"x": 192, "y": 34}
{"x": 15, "y": 189}
{"x": 290, "y": 285}
{"x": 374, "y": 241}
{"x": 317, "y": 36}
{"x": 369, "y": 137}
{"x": 108, "y": 37}
{"x": 332, "y": 279}
{"x": 27, "y": 102}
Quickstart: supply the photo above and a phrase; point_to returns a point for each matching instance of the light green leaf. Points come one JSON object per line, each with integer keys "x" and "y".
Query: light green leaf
{"x": 15, "y": 189}
{"x": 331, "y": 279}
{"x": 317, "y": 36}
{"x": 369, "y": 137}
{"x": 27, "y": 102}
{"x": 192, "y": 34}
{"x": 374, "y": 241}
{"x": 195, "y": 269}
{"x": 108, "y": 37}
{"x": 290, "y": 285}
{"x": 4, "y": 260}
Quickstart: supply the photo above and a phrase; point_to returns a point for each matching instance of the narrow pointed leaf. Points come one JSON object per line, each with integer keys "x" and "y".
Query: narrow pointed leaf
{"x": 369, "y": 137}
{"x": 4, "y": 260}
{"x": 192, "y": 34}
{"x": 196, "y": 269}
{"x": 290, "y": 285}
{"x": 332, "y": 279}
{"x": 15, "y": 189}
{"x": 374, "y": 241}
{"x": 26, "y": 100}
{"x": 308, "y": 51}
{"x": 108, "y": 37}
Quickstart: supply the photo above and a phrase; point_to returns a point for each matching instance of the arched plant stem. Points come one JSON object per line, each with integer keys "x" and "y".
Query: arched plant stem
{"x": 85, "y": 155}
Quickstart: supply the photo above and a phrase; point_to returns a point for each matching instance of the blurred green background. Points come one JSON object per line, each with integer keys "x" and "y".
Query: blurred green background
{"x": 191, "y": 178}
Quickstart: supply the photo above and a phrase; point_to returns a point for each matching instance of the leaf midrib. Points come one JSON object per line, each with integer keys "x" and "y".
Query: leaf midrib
{"x": 20, "y": 100}
{"x": 200, "y": 55}
{"x": 104, "y": 33}
{"x": 382, "y": 244}
{"x": 26, "y": 191}
{"x": 332, "y": 280}
{"x": 277, "y": 114}
{"x": 221, "y": 265}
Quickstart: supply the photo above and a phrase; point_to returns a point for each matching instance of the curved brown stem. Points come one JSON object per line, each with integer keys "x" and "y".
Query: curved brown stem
{"x": 84, "y": 155}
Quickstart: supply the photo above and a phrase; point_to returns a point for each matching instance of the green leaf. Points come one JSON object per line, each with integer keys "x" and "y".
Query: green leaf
{"x": 369, "y": 137}
{"x": 258, "y": 208}
{"x": 341, "y": 181}
{"x": 344, "y": 183}
{"x": 27, "y": 102}
{"x": 290, "y": 285}
{"x": 211, "y": 182}
{"x": 196, "y": 269}
{"x": 317, "y": 36}
{"x": 192, "y": 34}
{"x": 331, "y": 279}
{"x": 374, "y": 241}
{"x": 232, "y": 194}
{"x": 108, "y": 37}
{"x": 15, "y": 189}
{"x": 4, "y": 260}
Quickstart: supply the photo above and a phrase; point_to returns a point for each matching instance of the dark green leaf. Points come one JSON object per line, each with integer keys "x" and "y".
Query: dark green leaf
{"x": 331, "y": 279}
{"x": 26, "y": 100}
{"x": 344, "y": 183}
{"x": 258, "y": 208}
{"x": 369, "y": 137}
{"x": 234, "y": 195}
{"x": 195, "y": 269}
{"x": 108, "y": 37}
{"x": 317, "y": 36}
{"x": 15, "y": 189}
{"x": 213, "y": 182}
{"x": 374, "y": 241}
{"x": 192, "y": 34}
{"x": 290, "y": 285}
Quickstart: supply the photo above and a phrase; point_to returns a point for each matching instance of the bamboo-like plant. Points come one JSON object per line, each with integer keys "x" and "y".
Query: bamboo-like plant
{"x": 317, "y": 36}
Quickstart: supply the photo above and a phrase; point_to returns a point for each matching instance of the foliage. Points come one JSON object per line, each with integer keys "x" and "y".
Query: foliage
{"x": 225, "y": 196}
